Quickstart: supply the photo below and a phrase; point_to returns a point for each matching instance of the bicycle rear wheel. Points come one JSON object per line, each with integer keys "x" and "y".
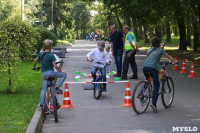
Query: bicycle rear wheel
{"x": 54, "y": 102}
{"x": 167, "y": 94}
{"x": 98, "y": 89}
{"x": 141, "y": 97}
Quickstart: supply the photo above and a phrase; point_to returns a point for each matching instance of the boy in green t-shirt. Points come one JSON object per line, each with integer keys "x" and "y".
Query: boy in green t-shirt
{"x": 151, "y": 65}
{"x": 47, "y": 63}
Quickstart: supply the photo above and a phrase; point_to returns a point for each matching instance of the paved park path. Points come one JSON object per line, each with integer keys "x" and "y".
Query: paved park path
{"x": 106, "y": 116}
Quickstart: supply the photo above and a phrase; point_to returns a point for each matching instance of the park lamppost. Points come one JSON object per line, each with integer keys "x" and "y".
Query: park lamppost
{"x": 22, "y": 10}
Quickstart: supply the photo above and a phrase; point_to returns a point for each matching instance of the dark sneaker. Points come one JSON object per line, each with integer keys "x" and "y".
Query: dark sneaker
{"x": 118, "y": 75}
{"x": 154, "y": 108}
{"x": 115, "y": 75}
{"x": 134, "y": 77}
{"x": 40, "y": 107}
{"x": 124, "y": 78}
{"x": 58, "y": 106}
{"x": 104, "y": 90}
{"x": 59, "y": 91}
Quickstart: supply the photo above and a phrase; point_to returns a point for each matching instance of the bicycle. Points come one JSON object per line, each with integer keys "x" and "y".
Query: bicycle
{"x": 51, "y": 100}
{"x": 143, "y": 91}
{"x": 98, "y": 87}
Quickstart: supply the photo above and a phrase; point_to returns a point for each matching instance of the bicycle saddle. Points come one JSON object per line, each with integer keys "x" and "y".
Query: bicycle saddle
{"x": 50, "y": 78}
{"x": 147, "y": 73}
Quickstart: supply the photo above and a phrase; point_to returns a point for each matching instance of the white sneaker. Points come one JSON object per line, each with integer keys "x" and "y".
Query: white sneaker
{"x": 107, "y": 76}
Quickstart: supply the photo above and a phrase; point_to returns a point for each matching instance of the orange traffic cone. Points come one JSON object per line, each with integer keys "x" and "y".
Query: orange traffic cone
{"x": 127, "y": 98}
{"x": 183, "y": 69}
{"x": 66, "y": 100}
{"x": 90, "y": 76}
{"x": 192, "y": 73}
{"x": 176, "y": 64}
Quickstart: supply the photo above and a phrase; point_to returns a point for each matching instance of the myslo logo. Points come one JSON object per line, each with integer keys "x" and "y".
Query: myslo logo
{"x": 184, "y": 129}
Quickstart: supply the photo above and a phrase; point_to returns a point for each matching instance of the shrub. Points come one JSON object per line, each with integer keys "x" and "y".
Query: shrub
{"x": 45, "y": 34}
{"x": 17, "y": 41}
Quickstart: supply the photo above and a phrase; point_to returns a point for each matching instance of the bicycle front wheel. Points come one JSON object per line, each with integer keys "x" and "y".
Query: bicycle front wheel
{"x": 141, "y": 97}
{"x": 54, "y": 102}
{"x": 98, "y": 89}
{"x": 167, "y": 94}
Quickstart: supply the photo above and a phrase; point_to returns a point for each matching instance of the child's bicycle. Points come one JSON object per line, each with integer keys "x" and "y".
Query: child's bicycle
{"x": 143, "y": 91}
{"x": 98, "y": 87}
{"x": 51, "y": 100}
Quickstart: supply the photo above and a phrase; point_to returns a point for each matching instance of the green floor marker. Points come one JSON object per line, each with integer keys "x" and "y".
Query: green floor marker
{"x": 77, "y": 72}
{"x": 77, "y": 79}
{"x": 113, "y": 72}
{"x": 117, "y": 79}
{"x": 83, "y": 74}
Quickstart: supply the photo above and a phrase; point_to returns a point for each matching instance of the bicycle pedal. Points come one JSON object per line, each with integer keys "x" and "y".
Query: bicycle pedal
{"x": 46, "y": 113}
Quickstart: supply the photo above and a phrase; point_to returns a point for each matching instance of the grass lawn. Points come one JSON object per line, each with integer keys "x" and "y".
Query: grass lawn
{"x": 172, "y": 49}
{"x": 70, "y": 40}
{"x": 17, "y": 109}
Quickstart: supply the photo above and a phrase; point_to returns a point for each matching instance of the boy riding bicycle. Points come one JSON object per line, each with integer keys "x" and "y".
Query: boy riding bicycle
{"x": 99, "y": 61}
{"x": 151, "y": 65}
{"x": 47, "y": 63}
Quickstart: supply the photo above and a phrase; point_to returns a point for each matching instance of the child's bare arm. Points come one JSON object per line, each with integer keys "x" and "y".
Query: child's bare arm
{"x": 169, "y": 57}
{"x": 56, "y": 67}
{"x": 35, "y": 62}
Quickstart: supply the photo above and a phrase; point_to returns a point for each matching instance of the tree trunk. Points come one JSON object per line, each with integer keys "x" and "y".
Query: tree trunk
{"x": 188, "y": 35}
{"x": 158, "y": 32}
{"x": 9, "y": 69}
{"x": 41, "y": 13}
{"x": 195, "y": 33}
{"x": 128, "y": 21}
{"x": 140, "y": 33}
{"x": 175, "y": 31}
{"x": 168, "y": 32}
{"x": 52, "y": 3}
{"x": 135, "y": 29}
{"x": 146, "y": 35}
{"x": 188, "y": 29}
{"x": 182, "y": 32}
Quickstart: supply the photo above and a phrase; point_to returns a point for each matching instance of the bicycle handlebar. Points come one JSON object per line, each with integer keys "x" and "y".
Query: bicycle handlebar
{"x": 38, "y": 68}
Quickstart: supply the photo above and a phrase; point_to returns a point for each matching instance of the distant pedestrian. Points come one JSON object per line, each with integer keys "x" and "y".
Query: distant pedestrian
{"x": 86, "y": 37}
{"x": 117, "y": 46}
{"x": 91, "y": 37}
{"x": 131, "y": 49}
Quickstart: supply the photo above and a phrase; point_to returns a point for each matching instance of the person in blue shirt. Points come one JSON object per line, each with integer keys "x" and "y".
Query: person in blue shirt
{"x": 129, "y": 58}
{"x": 151, "y": 65}
{"x": 117, "y": 47}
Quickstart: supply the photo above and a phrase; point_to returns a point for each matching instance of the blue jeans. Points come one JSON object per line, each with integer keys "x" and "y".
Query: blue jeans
{"x": 118, "y": 53}
{"x": 53, "y": 74}
{"x": 108, "y": 68}
{"x": 103, "y": 73}
{"x": 156, "y": 83}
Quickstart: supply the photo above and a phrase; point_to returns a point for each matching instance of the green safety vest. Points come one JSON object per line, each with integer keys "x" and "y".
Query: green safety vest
{"x": 128, "y": 46}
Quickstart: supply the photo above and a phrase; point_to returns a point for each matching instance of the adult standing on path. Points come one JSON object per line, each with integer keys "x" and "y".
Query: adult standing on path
{"x": 131, "y": 49}
{"x": 117, "y": 47}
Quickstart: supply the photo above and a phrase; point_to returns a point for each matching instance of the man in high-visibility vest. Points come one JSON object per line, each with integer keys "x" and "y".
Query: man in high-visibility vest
{"x": 131, "y": 49}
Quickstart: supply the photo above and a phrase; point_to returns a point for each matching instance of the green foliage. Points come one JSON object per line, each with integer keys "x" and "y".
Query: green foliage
{"x": 45, "y": 34}
{"x": 9, "y": 9}
{"x": 17, "y": 41}
{"x": 81, "y": 17}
